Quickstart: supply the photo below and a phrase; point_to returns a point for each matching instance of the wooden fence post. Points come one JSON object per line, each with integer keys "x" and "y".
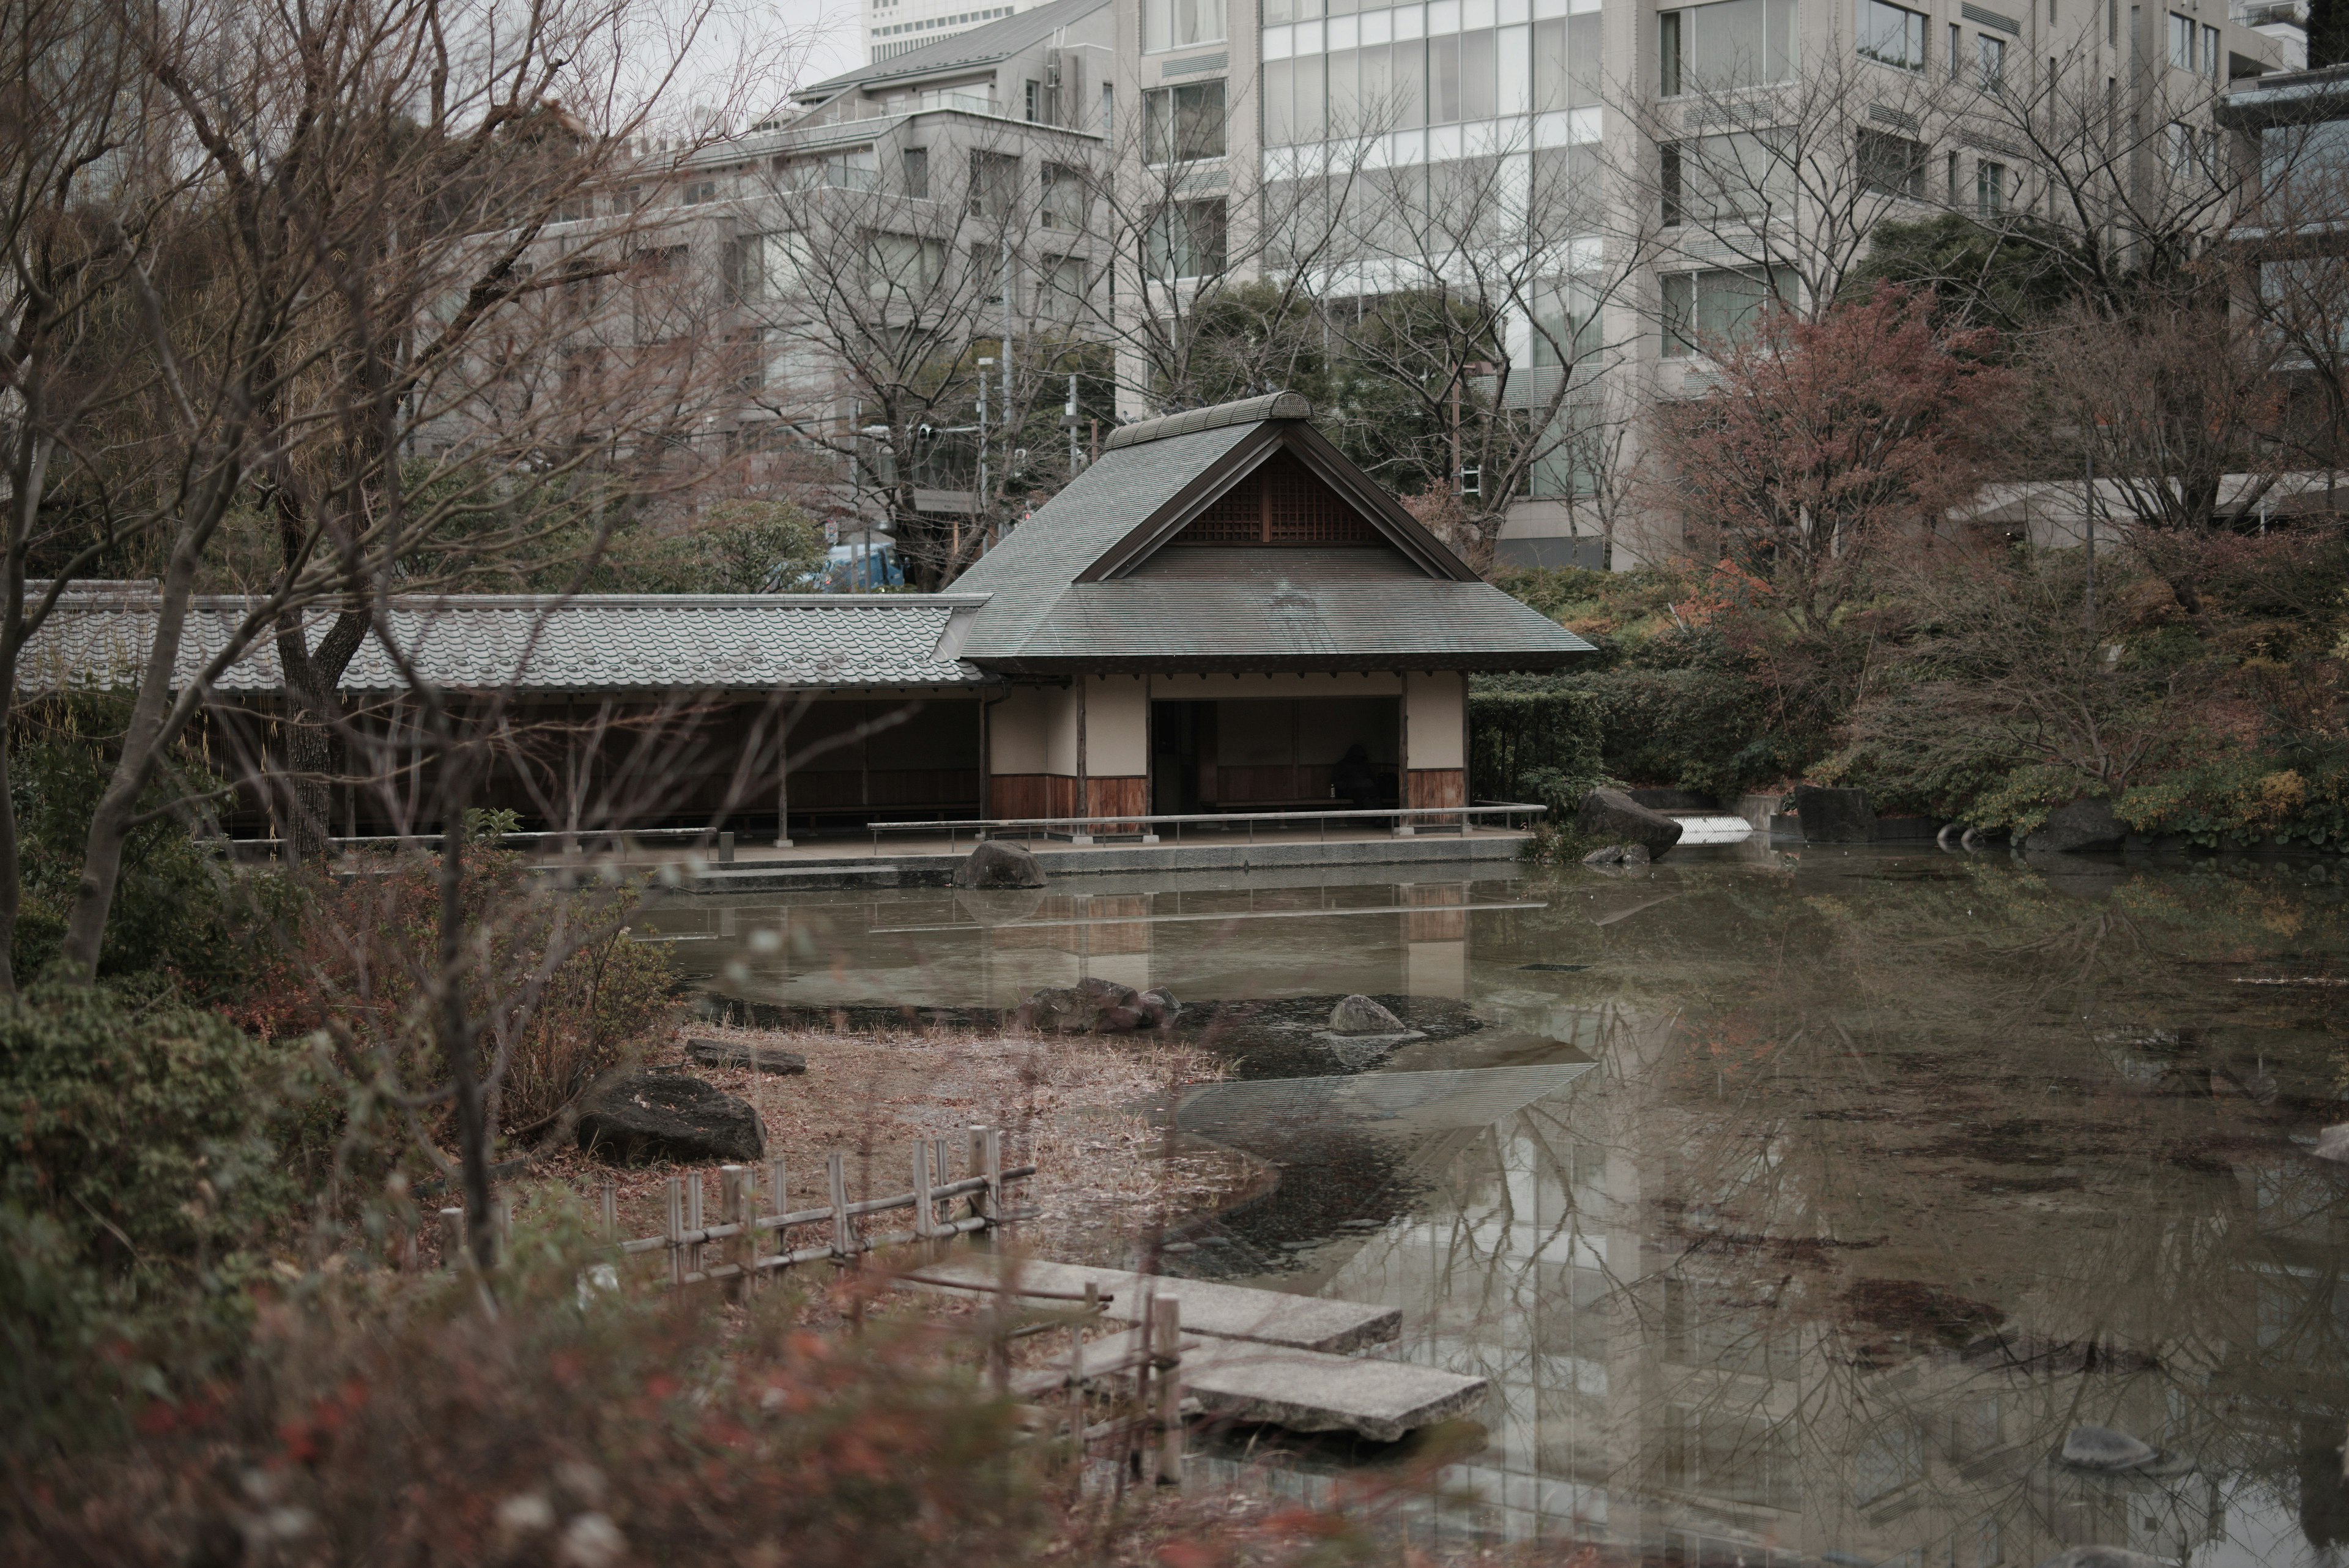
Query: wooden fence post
{"x": 611, "y": 1208}
{"x": 696, "y": 1258}
{"x": 734, "y": 1194}
{"x": 924, "y": 1226}
{"x": 1168, "y": 1311}
{"x": 974, "y": 1164}
{"x": 1076, "y": 1369}
{"x": 677, "y": 1230}
{"x": 992, "y": 1168}
{"x": 843, "y": 1230}
{"x": 453, "y": 1238}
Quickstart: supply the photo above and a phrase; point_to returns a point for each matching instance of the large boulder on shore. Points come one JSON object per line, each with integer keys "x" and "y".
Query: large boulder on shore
{"x": 1096, "y": 1006}
{"x": 670, "y": 1116}
{"x": 1610, "y": 816}
{"x": 995, "y": 864}
{"x": 2103, "y": 1449}
{"x": 1833, "y": 815}
{"x": 2084, "y": 824}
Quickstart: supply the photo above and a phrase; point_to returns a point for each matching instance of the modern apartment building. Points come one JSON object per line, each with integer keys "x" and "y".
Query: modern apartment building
{"x": 1708, "y": 158}
{"x": 895, "y": 27}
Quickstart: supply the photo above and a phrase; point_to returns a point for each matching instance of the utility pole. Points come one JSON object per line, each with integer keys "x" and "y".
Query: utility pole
{"x": 979, "y": 501}
{"x": 1069, "y": 417}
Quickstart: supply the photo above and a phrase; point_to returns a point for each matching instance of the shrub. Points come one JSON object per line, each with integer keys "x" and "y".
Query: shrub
{"x": 652, "y": 1428}
{"x": 565, "y": 994}
{"x": 154, "y": 1155}
{"x": 178, "y": 911}
{"x": 1532, "y": 745}
{"x": 2244, "y": 798}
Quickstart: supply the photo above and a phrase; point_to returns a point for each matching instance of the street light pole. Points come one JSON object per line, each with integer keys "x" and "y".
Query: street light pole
{"x": 979, "y": 501}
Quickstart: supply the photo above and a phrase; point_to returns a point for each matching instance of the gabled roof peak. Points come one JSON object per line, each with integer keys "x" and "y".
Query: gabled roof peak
{"x": 1247, "y": 411}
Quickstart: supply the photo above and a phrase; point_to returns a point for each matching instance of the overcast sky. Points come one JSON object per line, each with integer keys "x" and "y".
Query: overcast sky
{"x": 833, "y": 31}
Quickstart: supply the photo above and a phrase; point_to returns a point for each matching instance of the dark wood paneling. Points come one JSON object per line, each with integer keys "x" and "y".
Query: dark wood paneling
{"x": 1438, "y": 786}
{"x": 1016, "y": 795}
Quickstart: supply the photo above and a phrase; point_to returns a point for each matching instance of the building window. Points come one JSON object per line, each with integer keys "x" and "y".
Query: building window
{"x": 1892, "y": 165}
{"x": 1744, "y": 175}
{"x": 905, "y": 266}
{"x": 1062, "y": 294}
{"x": 1035, "y": 102}
{"x": 1722, "y": 306}
{"x": 1566, "y": 62}
{"x": 1179, "y": 24}
{"x": 1892, "y": 35}
{"x": 1731, "y": 44}
{"x": 1668, "y": 179}
{"x": 2181, "y": 42}
{"x": 697, "y": 191}
{"x": 918, "y": 173}
{"x": 1187, "y": 241}
{"x": 1109, "y": 109}
{"x": 1990, "y": 189}
{"x": 994, "y": 184}
{"x": 1957, "y": 50}
{"x": 1064, "y": 197}
{"x": 1990, "y": 54}
{"x": 2212, "y": 62}
{"x": 1183, "y": 124}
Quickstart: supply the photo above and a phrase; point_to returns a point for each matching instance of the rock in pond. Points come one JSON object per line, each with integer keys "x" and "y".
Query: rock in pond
{"x": 1618, "y": 855}
{"x": 1833, "y": 815}
{"x": 1610, "y": 816}
{"x": 995, "y": 864}
{"x": 2088, "y": 823}
{"x": 768, "y": 1059}
{"x": 2102, "y": 1448}
{"x": 670, "y": 1116}
{"x": 1361, "y": 1015}
{"x": 1095, "y": 1006}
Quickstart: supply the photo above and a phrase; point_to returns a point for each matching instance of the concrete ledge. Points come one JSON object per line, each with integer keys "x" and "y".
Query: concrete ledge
{"x": 938, "y": 870}
{"x": 1308, "y": 1391}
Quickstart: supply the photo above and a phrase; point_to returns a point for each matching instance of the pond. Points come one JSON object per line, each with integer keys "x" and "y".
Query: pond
{"x": 1795, "y": 1204}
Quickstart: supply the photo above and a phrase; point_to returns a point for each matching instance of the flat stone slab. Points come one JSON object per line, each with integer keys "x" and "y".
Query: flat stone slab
{"x": 1303, "y": 1390}
{"x": 768, "y": 1059}
{"x": 1223, "y": 1312}
{"x": 1307, "y": 1391}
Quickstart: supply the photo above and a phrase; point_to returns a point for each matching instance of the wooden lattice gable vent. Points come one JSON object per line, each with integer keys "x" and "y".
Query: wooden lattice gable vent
{"x": 1282, "y": 484}
{"x": 1282, "y": 502}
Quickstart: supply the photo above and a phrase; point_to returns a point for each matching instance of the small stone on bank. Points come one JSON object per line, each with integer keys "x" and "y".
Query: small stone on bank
{"x": 2102, "y": 1448}
{"x": 1361, "y": 1015}
{"x": 768, "y": 1059}
{"x": 2333, "y": 1143}
{"x": 1618, "y": 855}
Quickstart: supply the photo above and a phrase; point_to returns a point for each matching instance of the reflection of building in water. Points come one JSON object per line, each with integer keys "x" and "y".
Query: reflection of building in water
{"x": 1679, "y": 1365}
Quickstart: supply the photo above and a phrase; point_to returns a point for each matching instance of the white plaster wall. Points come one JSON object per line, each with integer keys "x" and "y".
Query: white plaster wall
{"x": 1434, "y": 704}
{"x": 1016, "y": 731}
{"x": 1117, "y": 726}
{"x": 1060, "y": 731}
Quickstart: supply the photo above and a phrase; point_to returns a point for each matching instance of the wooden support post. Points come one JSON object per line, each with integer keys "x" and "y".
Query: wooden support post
{"x": 782, "y": 774}
{"x": 992, "y": 1168}
{"x": 408, "y": 1250}
{"x": 925, "y": 1222}
{"x": 453, "y": 1238}
{"x": 1168, "y": 1313}
{"x": 676, "y": 1231}
{"x": 501, "y": 1227}
{"x": 778, "y": 1195}
{"x": 610, "y": 1205}
{"x": 844, "y": 1229}
{"x": 735, "y": 1191}
{"x": 696, "y": 1258}
{"x": 1145, "y": 1335}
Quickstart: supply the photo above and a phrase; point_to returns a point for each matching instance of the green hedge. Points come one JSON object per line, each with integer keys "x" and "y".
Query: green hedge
{"x": 1538, "y": 746}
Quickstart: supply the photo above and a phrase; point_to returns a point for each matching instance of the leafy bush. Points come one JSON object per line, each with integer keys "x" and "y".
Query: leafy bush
{"x": 178, "y": 911}
{"x": 154, "y": 1153}
{"x": 1548, "y": 736}
{"x": 2244, "y": 798}
{"x": 563, "y": 1429}
{"x": 565, "y": 992}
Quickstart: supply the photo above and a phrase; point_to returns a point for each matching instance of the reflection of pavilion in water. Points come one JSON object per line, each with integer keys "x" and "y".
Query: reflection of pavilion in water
{"x": 1676, "y": 1397}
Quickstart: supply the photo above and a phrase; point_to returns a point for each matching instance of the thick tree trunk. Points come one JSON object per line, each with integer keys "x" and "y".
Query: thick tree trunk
{"x": 314, "y": 718}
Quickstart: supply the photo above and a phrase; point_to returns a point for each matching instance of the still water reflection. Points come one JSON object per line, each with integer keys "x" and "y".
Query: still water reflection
{"x": 1819, "y": 1195}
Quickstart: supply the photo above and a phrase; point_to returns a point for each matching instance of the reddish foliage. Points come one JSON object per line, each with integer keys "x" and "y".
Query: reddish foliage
{"x": 1818, "y": 438}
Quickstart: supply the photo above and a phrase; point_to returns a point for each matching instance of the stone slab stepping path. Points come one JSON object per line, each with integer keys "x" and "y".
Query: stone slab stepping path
{"x": 1307, "y": 1391}
{"x": 1223, "y": 1312}
{"x": 1303, "y": 1390}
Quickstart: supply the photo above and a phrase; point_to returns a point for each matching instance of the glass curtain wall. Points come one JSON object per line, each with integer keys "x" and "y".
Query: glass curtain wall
{"x": 1332, "y": 71}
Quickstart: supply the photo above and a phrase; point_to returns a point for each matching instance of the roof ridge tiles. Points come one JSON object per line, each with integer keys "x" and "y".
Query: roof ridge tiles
{"x": 1247, "y": 410}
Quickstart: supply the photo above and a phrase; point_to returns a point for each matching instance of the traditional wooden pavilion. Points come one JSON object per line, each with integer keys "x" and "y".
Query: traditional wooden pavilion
{"x": 1212, "y": 616}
